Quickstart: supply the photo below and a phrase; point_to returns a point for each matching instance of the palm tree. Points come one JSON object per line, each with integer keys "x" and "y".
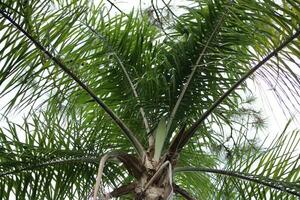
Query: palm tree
{"x": 153, "y": 105}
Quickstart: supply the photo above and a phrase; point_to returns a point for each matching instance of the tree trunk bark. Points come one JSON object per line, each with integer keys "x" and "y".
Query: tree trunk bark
{"x": 159, "y": 189}
{"x": 155, "y": 193}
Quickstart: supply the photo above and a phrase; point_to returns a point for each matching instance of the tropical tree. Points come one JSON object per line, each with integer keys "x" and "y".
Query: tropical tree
{"x": 153, "y": 103}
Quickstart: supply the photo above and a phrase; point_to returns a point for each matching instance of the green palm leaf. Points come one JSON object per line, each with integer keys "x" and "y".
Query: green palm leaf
{"x": 174, "y": 89}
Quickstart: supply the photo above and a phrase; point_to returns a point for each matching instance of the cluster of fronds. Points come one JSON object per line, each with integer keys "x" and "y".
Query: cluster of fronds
{"x": 143, "y": 75}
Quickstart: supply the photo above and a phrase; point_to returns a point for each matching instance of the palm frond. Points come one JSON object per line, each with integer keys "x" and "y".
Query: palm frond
{"x": 59, "y": 153}
{"x": 191, "y": 131}
{"x": 58, "y": 62}
{"x": 138, "y": 68}
{"x": 259, "y": 173}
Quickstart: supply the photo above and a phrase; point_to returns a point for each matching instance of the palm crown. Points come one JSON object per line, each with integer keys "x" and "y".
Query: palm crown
{"x": 156, "y": 104}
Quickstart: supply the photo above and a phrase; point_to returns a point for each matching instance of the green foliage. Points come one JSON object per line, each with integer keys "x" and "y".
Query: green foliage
{"x": 160, "y": 137}
{"x": 129, "y": 63}
{"x": 254, "y": 172}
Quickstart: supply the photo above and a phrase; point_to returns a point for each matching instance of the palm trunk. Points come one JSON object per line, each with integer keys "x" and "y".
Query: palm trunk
{"x": 155, "y": 182}
{"x": 160, "y": 189}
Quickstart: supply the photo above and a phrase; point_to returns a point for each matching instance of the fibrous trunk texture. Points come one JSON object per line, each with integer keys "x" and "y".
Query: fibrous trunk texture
{"x": 159, "y": 190}
{"x": 156, "y": 181}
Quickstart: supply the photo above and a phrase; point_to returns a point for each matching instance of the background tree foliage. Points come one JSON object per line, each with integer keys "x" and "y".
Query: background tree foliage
{"x": 153, "y": 75}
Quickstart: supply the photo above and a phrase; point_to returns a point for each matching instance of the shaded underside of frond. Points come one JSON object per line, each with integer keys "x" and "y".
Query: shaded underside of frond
{"x": 55, "y": 158}
{"x": 253, "y": 172}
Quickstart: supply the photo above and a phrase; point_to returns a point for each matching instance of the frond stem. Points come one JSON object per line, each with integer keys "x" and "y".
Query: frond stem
{"x": 120, "y": 191}
{"x": 187, "y": 83}
{"x": 101, "y": 38}
{"x": 182, "y": 192}
{"x": 115, "y": 6}
{"x": 90, "y": 159}
{"x": 157, "y": 174}
{"x": 278, "y": 185}
{"x": 138, "y": 146}
{"x": 126, "y": 161}
{"x": 100, "y": 173}
{"x": 191, "y": 131}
